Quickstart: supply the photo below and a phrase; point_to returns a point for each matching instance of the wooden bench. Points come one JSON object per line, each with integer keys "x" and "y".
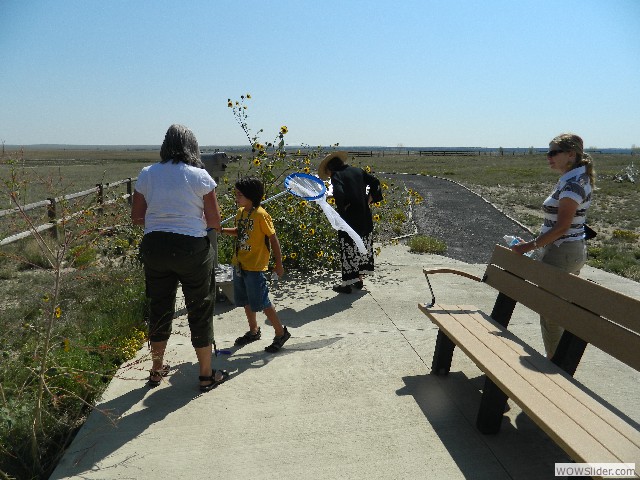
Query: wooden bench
{"x": 584, "y": 427}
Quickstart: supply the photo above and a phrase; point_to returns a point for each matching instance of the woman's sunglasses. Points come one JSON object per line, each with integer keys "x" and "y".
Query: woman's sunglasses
{"x": 553, "y": 153}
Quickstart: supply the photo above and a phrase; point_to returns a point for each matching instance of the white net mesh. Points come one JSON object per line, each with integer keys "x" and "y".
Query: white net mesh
{"x": 305, "y": 187}
{"x": 312, "y": 188}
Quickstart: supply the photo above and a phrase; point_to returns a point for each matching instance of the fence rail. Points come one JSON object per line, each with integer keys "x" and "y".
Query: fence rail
{"x": 360, "y": 153}
{"x": 52, "y": 211}
{"x": 447, "y": 152}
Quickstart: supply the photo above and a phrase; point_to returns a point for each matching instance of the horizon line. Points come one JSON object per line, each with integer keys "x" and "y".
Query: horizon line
{"x": 246, "y": 147}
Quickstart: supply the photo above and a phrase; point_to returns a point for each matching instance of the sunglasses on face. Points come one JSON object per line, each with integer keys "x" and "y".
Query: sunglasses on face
{"x": 553, "y": 153}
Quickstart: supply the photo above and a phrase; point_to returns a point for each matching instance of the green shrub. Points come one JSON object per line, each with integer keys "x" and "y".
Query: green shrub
{"x": 307, "y": 239}
{"x": 82, "y": 256}
{"x": 626, "y": 235}
{"x": 100, "y": 326}
{"x": 425, "y": 244}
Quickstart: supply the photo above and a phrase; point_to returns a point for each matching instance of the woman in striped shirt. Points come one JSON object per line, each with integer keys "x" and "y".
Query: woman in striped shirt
{"x": 565, "y": 211}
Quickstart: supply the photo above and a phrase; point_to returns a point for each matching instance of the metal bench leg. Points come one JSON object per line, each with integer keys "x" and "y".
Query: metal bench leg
{"x": 492, "y": 408}
{"x": 503, "y": 309}
{"x": 569, "y": 352}
{"x": 442, "y": 354}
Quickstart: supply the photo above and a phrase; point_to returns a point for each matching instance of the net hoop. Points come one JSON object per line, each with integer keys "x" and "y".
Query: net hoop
{"x": 309, "y": 182}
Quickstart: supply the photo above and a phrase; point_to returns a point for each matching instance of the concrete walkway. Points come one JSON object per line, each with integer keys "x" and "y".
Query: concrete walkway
{"x": 349, "y": 397}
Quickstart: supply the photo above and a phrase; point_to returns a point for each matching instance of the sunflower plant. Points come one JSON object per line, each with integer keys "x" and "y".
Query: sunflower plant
{"x": 307, "y": 240}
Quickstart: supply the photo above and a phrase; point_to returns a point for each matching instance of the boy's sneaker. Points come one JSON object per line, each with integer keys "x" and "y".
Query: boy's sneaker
{"x": 278, "y": 342}
{"x": 248, "y": 337}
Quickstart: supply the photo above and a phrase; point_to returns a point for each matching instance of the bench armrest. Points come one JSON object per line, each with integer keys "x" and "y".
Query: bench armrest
{"x": 450, "y": 270}
{"x": 428, "y": 272}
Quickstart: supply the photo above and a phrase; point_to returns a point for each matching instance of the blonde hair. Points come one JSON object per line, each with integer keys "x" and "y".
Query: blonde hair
{"x": 570, "y": 142}
{"x": 180, "y": 145}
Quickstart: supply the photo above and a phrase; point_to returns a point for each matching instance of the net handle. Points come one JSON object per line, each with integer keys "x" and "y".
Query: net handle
{"x": 284, "y": 192}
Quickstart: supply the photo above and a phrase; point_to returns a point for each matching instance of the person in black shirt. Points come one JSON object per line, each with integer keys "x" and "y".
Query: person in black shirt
{"x": 353, "y": 190}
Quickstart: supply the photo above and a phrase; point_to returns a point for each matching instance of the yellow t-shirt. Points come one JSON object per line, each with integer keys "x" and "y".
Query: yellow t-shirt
{"x": 252, "y": 248}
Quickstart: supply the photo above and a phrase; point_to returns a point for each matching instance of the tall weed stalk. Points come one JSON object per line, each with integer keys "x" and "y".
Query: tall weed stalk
{"x": 64, "y": 358}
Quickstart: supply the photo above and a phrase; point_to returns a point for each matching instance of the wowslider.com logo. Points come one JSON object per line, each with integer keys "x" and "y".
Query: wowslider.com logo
{"x": 606, "y": 470}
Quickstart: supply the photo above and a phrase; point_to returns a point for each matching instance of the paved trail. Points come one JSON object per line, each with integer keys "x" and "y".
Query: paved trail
{"x": 463, "y": 220}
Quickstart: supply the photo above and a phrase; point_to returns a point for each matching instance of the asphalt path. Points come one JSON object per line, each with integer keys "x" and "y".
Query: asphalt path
{"x": 468, "y": 224}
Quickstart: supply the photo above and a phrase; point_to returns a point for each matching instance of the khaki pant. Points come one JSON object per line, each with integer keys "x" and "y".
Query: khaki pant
{"x": 570, "y": 257}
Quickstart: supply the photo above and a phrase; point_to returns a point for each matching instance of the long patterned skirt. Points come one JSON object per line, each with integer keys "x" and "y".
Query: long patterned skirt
{"x": 354, "y": 263}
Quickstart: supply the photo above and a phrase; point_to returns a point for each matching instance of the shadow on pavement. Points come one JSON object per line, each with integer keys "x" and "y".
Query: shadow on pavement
{"x": 450, "y": 405}
{"x": 119, "y": 413}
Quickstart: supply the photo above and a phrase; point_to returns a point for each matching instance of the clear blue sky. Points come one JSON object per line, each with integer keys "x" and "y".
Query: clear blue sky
{"x": 485, "y": 73}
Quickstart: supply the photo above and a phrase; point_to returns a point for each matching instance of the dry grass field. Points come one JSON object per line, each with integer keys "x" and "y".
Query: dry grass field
{"x": 516, "y": 184}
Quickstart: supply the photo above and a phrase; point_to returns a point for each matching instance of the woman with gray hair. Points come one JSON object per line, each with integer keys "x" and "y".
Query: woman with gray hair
{"x": 562, "y": 236}
{"x": 175, "y": 201}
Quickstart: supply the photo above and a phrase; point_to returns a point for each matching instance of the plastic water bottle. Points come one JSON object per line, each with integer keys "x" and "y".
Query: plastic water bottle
{"x": 513, "y": 240}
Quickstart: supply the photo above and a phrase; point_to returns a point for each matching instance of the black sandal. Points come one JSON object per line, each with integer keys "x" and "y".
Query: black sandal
{"x": 278, "y": 342}
{"x": 247, "y": 338}
{"x": 342, "y": 288}
{"x": 212, "y": 378}
{"x": 163, "y": 372}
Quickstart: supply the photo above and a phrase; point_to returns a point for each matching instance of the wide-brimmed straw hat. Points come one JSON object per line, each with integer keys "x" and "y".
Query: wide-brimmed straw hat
{"x": 323, "y": 172}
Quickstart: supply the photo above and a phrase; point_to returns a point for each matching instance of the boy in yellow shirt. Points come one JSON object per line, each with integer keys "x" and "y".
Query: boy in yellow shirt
{"x": 255, "y": 240}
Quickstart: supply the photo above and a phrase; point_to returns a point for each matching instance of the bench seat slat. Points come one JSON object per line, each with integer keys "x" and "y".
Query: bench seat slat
{"x": 617, "y": 341}
{"x": 545, "y": 372}
{"x": 498, "y": 362}
{"x": 615, "y": 306}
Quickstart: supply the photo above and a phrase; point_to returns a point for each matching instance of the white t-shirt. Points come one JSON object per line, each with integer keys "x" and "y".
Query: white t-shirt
{"x": 173, "y": 192}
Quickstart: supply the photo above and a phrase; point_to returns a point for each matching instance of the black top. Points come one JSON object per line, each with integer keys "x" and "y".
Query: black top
{"x": 352, "y": 201}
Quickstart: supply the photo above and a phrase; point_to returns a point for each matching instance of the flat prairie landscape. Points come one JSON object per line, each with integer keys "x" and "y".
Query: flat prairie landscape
{"x": 516, "y": 184}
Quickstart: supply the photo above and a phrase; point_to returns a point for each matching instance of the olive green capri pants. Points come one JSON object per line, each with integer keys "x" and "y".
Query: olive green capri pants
{"x": 170, "y": 258}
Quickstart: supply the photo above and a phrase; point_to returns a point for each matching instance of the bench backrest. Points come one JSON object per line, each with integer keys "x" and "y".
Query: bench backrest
{"x": 606, "y": 319}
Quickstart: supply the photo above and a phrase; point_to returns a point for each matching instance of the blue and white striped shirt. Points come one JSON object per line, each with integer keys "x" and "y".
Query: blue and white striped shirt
{"x": 576, "y": 185}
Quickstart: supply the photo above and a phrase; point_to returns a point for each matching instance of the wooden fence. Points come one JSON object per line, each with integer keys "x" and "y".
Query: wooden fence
{"x": 53, "y": 212}
{"x": 447, "y": 152}
{"x": 360, "y": 153}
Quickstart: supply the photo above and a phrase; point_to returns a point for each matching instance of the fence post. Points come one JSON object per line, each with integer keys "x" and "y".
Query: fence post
{"x": 100, "y": 187}
{"x": 129, "y": 191}
{"x": 51, "y": 214}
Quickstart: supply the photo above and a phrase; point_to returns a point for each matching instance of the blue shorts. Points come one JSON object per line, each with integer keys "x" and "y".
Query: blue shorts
{"x": 250, "y": 288}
